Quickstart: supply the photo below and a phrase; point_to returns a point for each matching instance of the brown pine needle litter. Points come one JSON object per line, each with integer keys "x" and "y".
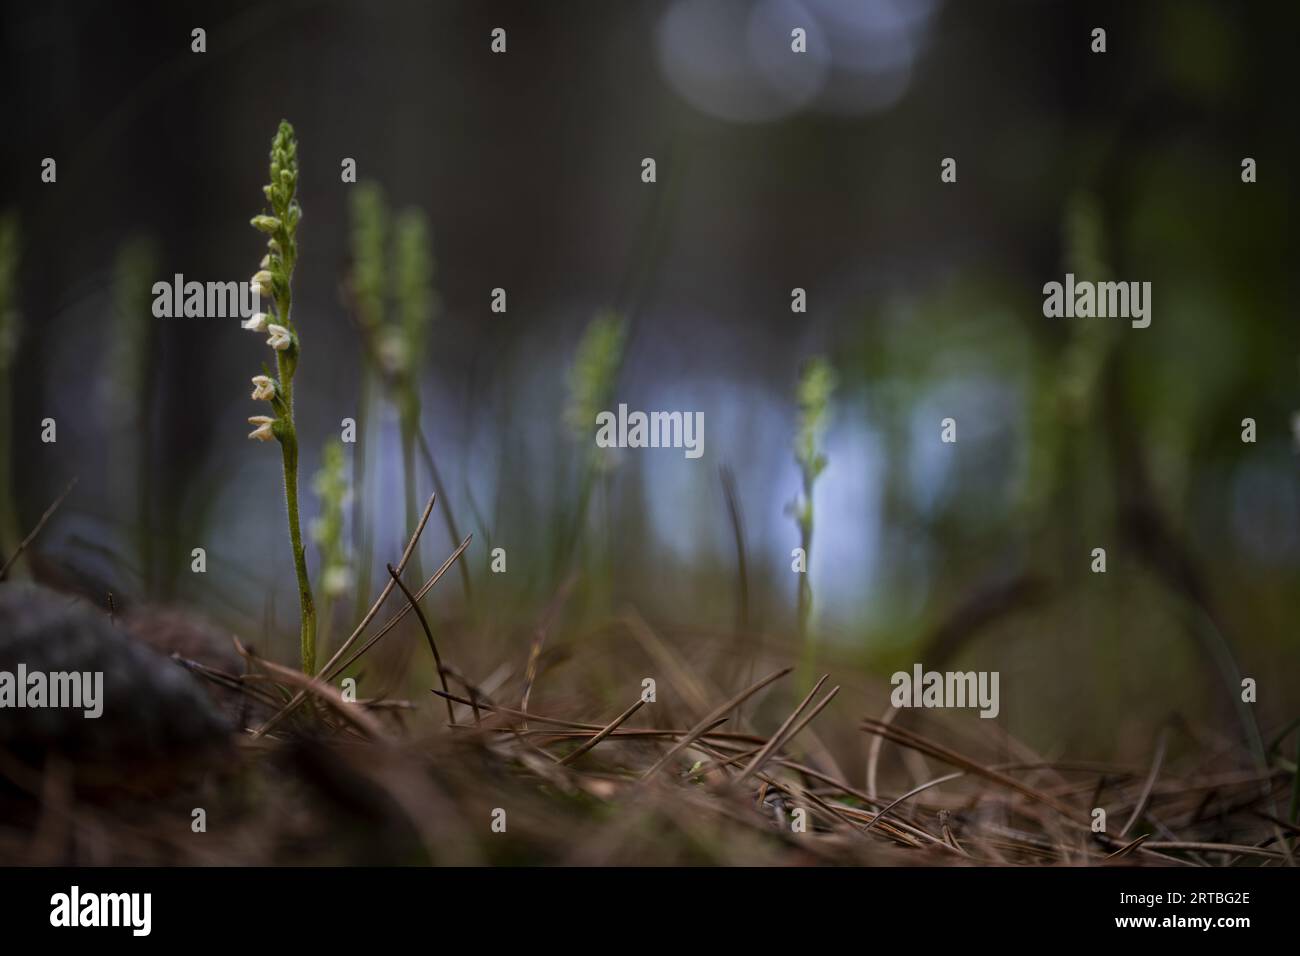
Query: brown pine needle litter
{"x": 534, "y": 762}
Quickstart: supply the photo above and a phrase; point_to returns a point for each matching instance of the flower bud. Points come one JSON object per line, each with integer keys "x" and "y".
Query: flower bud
{"x": 255, "y": 324}
{"x": 267, "y": 224}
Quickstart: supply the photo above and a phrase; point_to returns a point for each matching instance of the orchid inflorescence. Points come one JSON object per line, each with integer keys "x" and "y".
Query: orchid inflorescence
{"x": 273, "y": 282}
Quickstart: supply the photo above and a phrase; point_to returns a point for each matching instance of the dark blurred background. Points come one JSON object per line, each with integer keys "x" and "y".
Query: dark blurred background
{"x": 774, "y": 172}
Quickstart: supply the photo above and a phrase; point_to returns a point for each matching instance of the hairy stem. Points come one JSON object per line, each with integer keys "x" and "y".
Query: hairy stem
{"x": 289, "y": 449}
{"x": 286, "y": 367}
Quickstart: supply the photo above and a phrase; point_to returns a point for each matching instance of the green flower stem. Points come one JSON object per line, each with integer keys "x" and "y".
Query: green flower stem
{"x": 286, "y": 364}
{"x": 448, "y": 517}
{"x": 804, "y": 596}
{"x": 410, "y": 419}
{"x": 361, "y": 531}
{"x": 288, "y": 436}
{"x": 816, "y": 384}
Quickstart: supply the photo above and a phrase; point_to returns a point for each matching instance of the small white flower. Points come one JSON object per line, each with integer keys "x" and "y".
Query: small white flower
{"x": 263, "y": 430}
{"x": 267, "y": 224}
{"x": 262, "y": 282}
{"x": 336, "y": 581}
{"x": 281, "y": 338}
{"x": 263, "y": 388}
{"x": 257, "y": 323}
